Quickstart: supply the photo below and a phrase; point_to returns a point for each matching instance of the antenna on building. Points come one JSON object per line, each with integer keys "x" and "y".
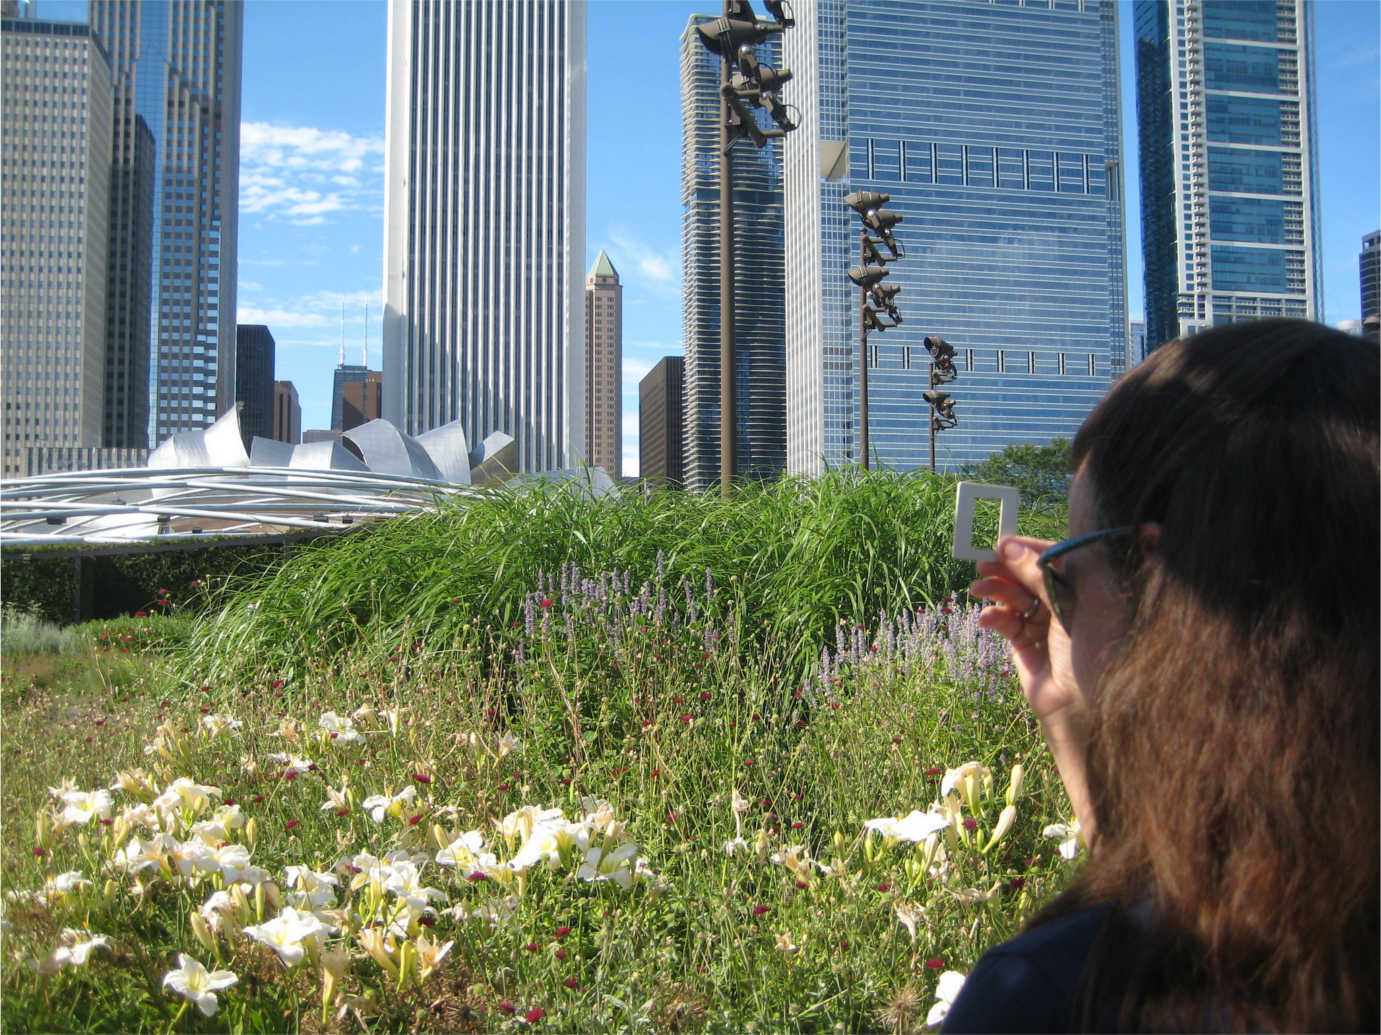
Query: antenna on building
{"x": 366, "y": 335}
{"x": 342, "y": 334}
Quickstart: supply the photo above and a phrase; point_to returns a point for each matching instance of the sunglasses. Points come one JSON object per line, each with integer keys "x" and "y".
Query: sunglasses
{"x": 1059, "y": 590}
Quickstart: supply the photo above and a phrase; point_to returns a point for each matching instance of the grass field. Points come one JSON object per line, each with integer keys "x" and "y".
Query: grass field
{"x": 432, "y": 780}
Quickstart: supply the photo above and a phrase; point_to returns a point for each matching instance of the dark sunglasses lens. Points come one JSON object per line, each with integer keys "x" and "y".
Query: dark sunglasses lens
{"x": 1052, "y": 593}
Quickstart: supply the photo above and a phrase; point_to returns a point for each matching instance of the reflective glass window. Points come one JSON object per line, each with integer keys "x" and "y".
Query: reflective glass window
{"x": 1248, "y": 172}
{"x": 1041, "y": 166}
{"x": 1243, "y": 120}
{"x": 1240, "y": 19}
{"x": 949, "y": 164}
{"x": 1248, "y": 269}
{"x": 1235, "y": 66}
{"x": 1246, "y": 219}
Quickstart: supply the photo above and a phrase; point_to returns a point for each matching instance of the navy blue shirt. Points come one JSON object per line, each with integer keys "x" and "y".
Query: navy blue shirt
{"x": 1030, "y": 983}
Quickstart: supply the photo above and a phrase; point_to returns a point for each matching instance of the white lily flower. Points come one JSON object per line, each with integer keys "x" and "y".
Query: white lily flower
{"x": 734, "y": 845}
{"x": 916, "y": 826}
{"x": 1069, "y": 837}
{"x": 524, "y": 821}
{"x": 193, "y": 981}
{"x": 951, "y": 981}
{"x": 406, "y": 882}
{"x": 216, "y": 724}
{"x": 134, "y": 781}
{"x": 971, "y": 781}
{"x": 463, "y": 852}
{"x": 182, "y": 794}
{"x": 84, "y": 806}
{"x": 291, "y": 762}
{"x": 380, "y": 805}
{"x": 65, "y": 883}
{"x": 429, "y": 955}
{"x": 601, "y": 865}
{"x": 74, "y": 948}
{"x": 340, "y": 728}
{"x": 288, "y": 932}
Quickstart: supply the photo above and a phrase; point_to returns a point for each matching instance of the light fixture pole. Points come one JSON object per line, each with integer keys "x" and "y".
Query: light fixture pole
{"x": 868, "y": 275}
{"x": 942, "y": 372}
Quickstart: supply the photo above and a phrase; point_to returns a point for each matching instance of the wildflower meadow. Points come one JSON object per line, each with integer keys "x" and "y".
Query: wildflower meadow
{"x": 639, "y": 773}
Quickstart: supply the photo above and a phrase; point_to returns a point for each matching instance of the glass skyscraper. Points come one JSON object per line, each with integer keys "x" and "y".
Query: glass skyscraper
{"x": 1229, "y": 189}
{"x": 484, "y": 223}
{"x": 176, "y": 70}
{"x": 995, "y": 128}
{"x": 759, "y": 318}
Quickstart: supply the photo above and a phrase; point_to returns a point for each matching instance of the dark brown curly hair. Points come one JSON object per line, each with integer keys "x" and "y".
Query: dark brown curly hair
{"x": 1233, "y": 750}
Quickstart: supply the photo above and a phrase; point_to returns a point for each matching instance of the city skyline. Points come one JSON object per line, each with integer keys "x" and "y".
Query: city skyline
{"x": 312, "y": 180}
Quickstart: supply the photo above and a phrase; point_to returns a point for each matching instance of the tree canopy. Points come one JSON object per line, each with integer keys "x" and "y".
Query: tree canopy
{"x": 1041, "y": 473}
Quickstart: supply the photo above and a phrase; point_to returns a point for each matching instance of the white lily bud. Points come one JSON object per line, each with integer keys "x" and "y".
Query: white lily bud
{"x": 1004, "y": 824}
{"x": 1014, "y": 787}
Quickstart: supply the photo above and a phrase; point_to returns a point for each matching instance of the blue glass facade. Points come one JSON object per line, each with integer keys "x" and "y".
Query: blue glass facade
{"x": 759, "y": 322}
{"x": 995, "y": 129}
{"x": 1229, "y": 190}
{"x": 176, "y": 66}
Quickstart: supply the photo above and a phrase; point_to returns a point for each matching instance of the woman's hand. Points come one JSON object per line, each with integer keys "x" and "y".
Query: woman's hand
{"x": 1041, "y": 654}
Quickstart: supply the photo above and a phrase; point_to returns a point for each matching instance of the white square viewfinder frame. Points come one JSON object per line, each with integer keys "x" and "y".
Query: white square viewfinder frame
{"x": 969, "y": 493}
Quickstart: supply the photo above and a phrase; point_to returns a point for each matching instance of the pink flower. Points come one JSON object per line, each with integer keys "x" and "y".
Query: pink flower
{"x": 571, "y": 982}
{"x": 545, "y": 602}
{"x": 291, "y": 823}
{"x": 561, "y": 932}
{"x": 935, "y": 964}
{"x": 561, "y": 954}
{"x": 421, "y": 777}
{"x": 534, "y": 1015}
{"x": 531, "y": 946}
{"x": 141, "y": 614}
{"x": 506, "y": 1007}
{"x": 759, "y": 910}
{"x": 277, "y": 684}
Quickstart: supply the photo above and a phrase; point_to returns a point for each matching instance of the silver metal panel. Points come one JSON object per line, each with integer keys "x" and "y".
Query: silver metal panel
{"x": 494, "y": 460}
{"x": 388, "y": 451}
{"x": 447, "y": 448}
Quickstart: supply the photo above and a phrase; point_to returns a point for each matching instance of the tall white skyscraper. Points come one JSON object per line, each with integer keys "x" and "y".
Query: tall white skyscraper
{"x": 55, "y": 183}
{"x": 1229, "y": 190}
{"x": 176, "y": 69}
{"x": 484, "y": 223}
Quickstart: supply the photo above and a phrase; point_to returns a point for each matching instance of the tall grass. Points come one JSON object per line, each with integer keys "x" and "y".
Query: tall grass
{"x": 25, "y": 632}
{"x": 792, "y": 557}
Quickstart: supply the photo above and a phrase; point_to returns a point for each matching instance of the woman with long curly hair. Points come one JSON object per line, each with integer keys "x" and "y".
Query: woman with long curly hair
{"x": 1202, "y": 656}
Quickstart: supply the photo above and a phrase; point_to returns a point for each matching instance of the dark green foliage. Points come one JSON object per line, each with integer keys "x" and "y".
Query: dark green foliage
{"x": 1040, "y": 472}
{"x": 45, "y": 581}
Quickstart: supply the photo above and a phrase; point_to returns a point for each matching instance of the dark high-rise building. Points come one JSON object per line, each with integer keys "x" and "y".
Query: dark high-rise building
{"x": 660, "y": 421}
{"x": 287, "y": 413}
{"x": 254, "y": 367}
{"x": 1369, "y": 266}
{"x": 345, "y": 374}
{"x": 360, "y": 400}
{"x": 176, "y": 66}
{"x": 604, "y": 368}
{"x": 759, "y": 320}
{"x": 128, "y": 315}
{"x": 1229, "y": 188}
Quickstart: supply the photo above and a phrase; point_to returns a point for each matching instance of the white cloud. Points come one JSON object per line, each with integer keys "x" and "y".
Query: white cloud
{"x": 302, "y": 174}
{"x": 631, "y": 462}
{"x": 660, "y": 268}
{"x": 279, "y": 317}
{"x": 630, "y": 426}
{"x": 634, "y": 370}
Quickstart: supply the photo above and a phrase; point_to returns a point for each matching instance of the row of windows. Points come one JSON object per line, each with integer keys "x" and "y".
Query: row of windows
{"x": 971, "y": 165}
{"x": 1005, "y": 361}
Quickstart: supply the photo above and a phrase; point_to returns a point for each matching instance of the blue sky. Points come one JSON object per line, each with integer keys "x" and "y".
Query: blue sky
{"x": 311, "y": 173}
